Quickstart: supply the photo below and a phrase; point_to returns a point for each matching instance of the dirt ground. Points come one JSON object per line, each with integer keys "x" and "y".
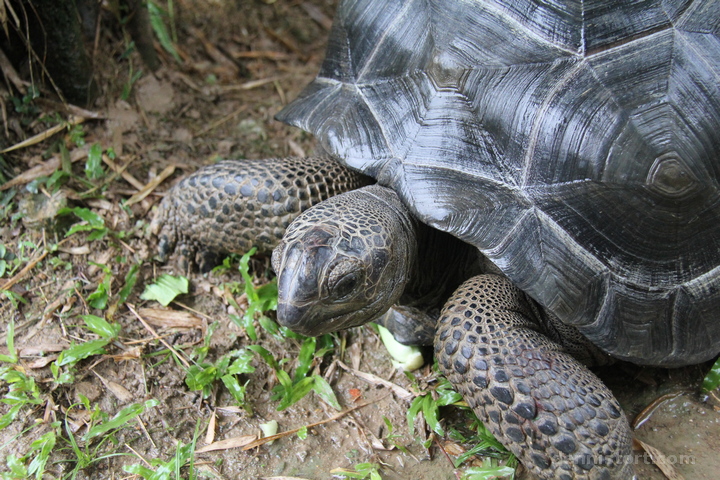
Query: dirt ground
{"x": 241, "y": 62}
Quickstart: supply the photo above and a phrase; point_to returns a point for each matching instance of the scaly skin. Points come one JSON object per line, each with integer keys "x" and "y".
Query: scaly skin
{"x": 235, "y": 205}
{"x": 546, "y": 407}
{"x": 337, "y": 269}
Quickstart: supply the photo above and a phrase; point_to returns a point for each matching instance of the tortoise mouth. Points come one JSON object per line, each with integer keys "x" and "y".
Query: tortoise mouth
{"x": 313, "y": 318}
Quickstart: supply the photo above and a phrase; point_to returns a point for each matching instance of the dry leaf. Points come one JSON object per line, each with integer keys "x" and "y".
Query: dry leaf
{"x": 661, "y": 461}
{"x": 453, "y": 449}
{"x": 210, "y": 434}
{"x": 232, "y": 409}
{"x": 120, "y": 392}
{"x": 170, "y": 318}
{"x": 81, "y": 250}
{"x": 234, "y": 442}
{"x": 130, "y": 354}
{"x": 41, "y": 362}
{"x": 33, "y": 350}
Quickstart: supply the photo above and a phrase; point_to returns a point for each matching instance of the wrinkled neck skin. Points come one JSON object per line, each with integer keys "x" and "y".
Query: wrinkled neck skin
{"x": 443, "y": 262}
{"x": 345, "y": 261}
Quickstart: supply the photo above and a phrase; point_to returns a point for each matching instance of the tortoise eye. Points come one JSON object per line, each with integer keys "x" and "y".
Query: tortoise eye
{"x": 344, "y": 279}
{"x": 345, "y": 285}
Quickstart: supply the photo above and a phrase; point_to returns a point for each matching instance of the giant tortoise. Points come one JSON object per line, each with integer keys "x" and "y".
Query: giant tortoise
{"x": 554, "y": 162}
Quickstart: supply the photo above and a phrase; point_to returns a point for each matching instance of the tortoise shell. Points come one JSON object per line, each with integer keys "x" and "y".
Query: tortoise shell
{"x": 575, "y": 143}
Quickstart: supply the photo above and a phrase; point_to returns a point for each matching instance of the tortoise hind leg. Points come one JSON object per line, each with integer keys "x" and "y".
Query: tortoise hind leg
{"x": 547, "y": 408}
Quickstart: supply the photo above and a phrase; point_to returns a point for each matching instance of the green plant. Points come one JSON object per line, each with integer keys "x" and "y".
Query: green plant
{"x": 170, "y": 469}
{"x": 202, "y": 376}
{"x": 392, "y": 437}
{"x": 361, "y": 471}
{"x": 93, "y": 165}
{"x": 40, "y": 450}
{"x": 22, "y": 389}
{"x": 99, "y": 298}
{"x": 260, "y": 300}
{"x": 290, "y": 390}
{"x": 25, "y": 106}
{"x": 107, "y": 332}
{"x": 119, "y": 420}
{"x": 102, "y": 428}
{"x": 490, "y": 470}
{"x": 157, "y": 17}
{"x": 7, "y": 206}
{"x": 712, "y": 379}
{"x": 429, "y": 402}
{"x": 10, "y": 263}
{"x": 130, "y": 281}
{"x": 165, "y": 289}
{"x": 4, "y": 258}
{"x": 484, "y": 443}
{"x": 91, "y": 222}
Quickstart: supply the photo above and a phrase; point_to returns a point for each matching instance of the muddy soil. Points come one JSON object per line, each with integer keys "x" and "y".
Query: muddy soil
{"x": 241, "y": 62}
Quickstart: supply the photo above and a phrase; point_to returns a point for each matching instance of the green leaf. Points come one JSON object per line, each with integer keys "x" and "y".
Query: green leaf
{"x": 712, "y": 379}
{"x": 199, "y": 377}
{"x": 270, "y": 326}
{"x": 284, "y": 380}
{"x": 267, "y": 296}
{"x": 412, "y": 412}
{"x": 10, "y": 342}
{"x": 241, "y": 364}
{"x": 138, "y": 469}
{"x": 16, "y": 466}
{"x": 234, "y": 387}
{"x": 98, "y": 299}
{"x": 92, "y": 219}
{"x": 101, "y": 327}
{"x": 302, "y": 433}
{"x": 488, "y": 473}
{"x": 260, "y": 299}
{"x": 265, "y": 355}
{"x": 448, "y": 397}
{"x": 362, "y": 470}
{"x": 120, "y": 419}
{"x": 10, "y": 416}
{"x": 130, "y": 280}
{"x": 93, "y": 166}
{"x": 165, "y": 289}
{"x": 297, "y": 392}
{"x": 431, "y": 413}
{"x": 156, "y": 20}
{"x": 77, "y": 352}
{"x": 43, "y": 446}
{"x": 305, "y": 358}
{"x": 246, "y": 323}
{"x": 322, "y": 388}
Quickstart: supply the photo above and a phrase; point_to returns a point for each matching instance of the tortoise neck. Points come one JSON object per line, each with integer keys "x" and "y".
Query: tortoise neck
{"x": 441, "y": 264}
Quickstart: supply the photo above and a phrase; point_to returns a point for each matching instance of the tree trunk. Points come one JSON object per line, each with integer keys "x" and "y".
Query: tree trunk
{"x": 57, "y": 39}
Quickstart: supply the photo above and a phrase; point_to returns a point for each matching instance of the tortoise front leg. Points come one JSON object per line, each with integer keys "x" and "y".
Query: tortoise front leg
{"x": 546, "y": 407}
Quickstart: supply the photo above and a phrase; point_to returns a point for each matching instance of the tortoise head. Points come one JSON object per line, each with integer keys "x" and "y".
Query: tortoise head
{"x": 342, "y": 263}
